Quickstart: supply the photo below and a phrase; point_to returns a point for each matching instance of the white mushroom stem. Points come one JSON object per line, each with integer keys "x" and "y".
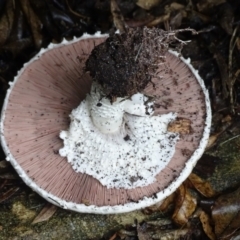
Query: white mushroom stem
{"x": 118, "y": 143}
{"x": 108, "y": 117}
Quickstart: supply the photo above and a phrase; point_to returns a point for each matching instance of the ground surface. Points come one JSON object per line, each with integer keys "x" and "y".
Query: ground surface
{"x": 207, "y": 205}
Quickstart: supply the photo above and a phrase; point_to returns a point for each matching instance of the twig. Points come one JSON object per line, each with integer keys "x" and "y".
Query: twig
{"x": 223, "y": 69}
{"x": 76, "y": 13}
{"x": 113, "y": 236}
{"x": 231, "y": 79}
{"x": 138, "y": 52}
{"x": 118, "y": 17}
{"x": 228, "y": 140}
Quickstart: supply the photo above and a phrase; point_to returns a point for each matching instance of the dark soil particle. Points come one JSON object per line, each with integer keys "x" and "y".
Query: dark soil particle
{"x": 124, "y": 64}
{"x": 127, "y": 138}
{"x": 117, "y": 58}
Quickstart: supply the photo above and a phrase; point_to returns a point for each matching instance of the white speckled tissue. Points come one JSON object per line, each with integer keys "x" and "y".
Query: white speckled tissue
{"x": 128, "y": 158}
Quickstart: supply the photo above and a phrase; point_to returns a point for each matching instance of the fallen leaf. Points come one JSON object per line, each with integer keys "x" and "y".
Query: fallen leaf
{"x": 175, "y": 6}
{"x": 33, "y": 21}
{"x": 147, "y": 4}
{"x": 226, "y": 214}
{"x": 46, "y": 213}
{"x": 180, "y": 125}
{"x": 113, "y": 236}
{"x": 161, "y": 206}
{"x": 223, "y": 69}
{"x": 4, "y": 196}
{"x": 6, "y": 22}
{"x": 227, "y": 118}
{"x": 117, "y": 17}
{"x": 9, "y": 175}
{"x": 159, "y": 20}
{"x": 205, "y": 4}
{"x": 4, "y": 166}
{"x": 176, "y": 21}
{"x": 205, "y": 220}
{"x": 226, "y": 18}
{"x": 167, "y": 202}
{"x": 201, "y": 185}
{"x": 185, "y": 205}
{"x": 86, "y": 202}
{"x": 238, "y": 43}
{"x": 212, "y": 140}
{"x": 152, "y": 208}
{"x": 141, "y": 18}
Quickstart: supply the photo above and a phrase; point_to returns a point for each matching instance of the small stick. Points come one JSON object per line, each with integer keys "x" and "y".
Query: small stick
{"x": 118, "y": 18}
{"x": 232, "y": 80}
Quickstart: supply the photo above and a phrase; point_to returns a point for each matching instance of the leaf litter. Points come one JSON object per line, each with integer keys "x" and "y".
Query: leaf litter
{"x": 45, "y": 214}
{"x": 28, "y": 25}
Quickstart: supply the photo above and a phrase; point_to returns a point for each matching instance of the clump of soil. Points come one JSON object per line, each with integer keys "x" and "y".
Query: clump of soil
{"x": 125, "y": 63}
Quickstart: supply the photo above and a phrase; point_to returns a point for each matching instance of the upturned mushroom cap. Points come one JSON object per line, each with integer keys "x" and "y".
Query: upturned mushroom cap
{"x": 37, "y": 108}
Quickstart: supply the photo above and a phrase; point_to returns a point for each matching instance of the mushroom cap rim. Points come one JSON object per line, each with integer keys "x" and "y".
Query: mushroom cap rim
{"x": 146, "y": 201}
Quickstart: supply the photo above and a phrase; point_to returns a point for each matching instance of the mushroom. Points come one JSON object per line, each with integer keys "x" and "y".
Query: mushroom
{"x": 137, "y": 161}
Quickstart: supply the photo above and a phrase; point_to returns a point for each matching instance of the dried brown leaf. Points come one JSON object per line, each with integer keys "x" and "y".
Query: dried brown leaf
{"x": 174, "y": 7}
{"x": 6, "y": 22}
{"x": 185, "y": 206}
{"x": 86, "y": 202}
{"x": 172, "y": 17}
{"x": 147, "y": 4}
{"x": 226, "y": 18}
{"x": 161, "y": 206}
{"x": 223, "y": 69}
{"x": 238, "y": 43}
{"x": 180, "y": 125}
{"x": 33, "y": 21}
{"x": 227, "y": 118}
{"x": 117, "y": 17}
{"x": 4, "y": 166}
{"x": 3, "y": 183}
{"x": 205, "y": 220}
{"x": 201, "y": 185}
{"x": 4, "y": 196}
{"x": 232, "y": 78}
{"x": 226, "y": 214}
{"x": 212, "y": 140}
{"x": 9, "y": 175}
{"x": 17, "y": 46}
{"x": 167, "y": 202}
{"x": 203, "y": 5}
{"x": 113, "y": 236}
{"x": 153, "y": 208}
{"x": 176, "y": 21}
{"x": 177, "y": 6}
{"x": 159, "y": 20}
{"x": 140, "y": 22}
{"x": 46, "y": 213}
